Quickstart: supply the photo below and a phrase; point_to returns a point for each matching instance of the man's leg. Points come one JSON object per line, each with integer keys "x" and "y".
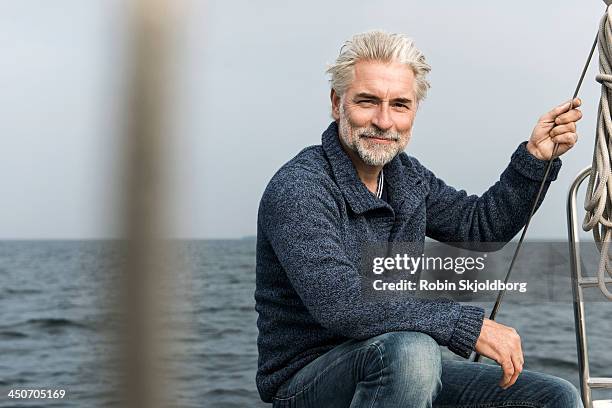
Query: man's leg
{"x": 466, "y": 384}
{"x": 393, "y": 370}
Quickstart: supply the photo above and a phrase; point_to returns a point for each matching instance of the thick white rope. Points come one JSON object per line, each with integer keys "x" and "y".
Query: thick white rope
{"x": 598, "y": 199}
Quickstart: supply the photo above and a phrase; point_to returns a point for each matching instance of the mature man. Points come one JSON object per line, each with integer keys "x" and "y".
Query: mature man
{"x": 321, "y": 343}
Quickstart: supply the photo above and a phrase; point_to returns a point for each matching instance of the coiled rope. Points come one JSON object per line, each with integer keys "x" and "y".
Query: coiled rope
{"x": 598, "y": 199}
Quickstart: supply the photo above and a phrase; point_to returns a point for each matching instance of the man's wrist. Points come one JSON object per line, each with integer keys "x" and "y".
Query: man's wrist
{"x": 467, "y": 330}
{"x": 530, "y": 166}
{"x": 532, "y": 149}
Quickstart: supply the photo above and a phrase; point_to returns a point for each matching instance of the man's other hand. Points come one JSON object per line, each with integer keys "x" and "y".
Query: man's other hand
{"x": 502, "y": 344}
{"x": 556, "y": 126}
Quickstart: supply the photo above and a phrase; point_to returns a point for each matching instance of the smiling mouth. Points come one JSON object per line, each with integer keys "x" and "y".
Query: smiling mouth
{"x": 379, "y": 139}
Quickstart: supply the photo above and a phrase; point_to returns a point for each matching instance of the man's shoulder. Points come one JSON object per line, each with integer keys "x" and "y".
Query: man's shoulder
{"x": 306, "y": 176}
{"x": 412, "y": 164}
{"x": 308, "y": 165}
{"x": 311, "y": 159}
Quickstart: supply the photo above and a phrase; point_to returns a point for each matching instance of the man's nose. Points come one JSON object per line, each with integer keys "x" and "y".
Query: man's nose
{"x": 382, "y": 118}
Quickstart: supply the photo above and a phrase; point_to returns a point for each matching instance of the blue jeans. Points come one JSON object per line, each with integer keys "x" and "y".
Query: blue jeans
{"x": 405, "y": 370}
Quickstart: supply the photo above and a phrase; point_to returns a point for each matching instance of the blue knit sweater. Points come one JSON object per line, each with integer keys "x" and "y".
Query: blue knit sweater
{"x": 313, "y": 218}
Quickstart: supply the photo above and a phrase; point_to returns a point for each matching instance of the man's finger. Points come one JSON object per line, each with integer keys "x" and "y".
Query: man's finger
{"x": 569, "y": 138}
{"x": 561, "y": 129}
{"x": 508, "y": 369}
{"x": 521, "y": 356}
{"x": 558, "y": 110}
{"x": 572, "y": 116}
{"x": 518, "y": 367}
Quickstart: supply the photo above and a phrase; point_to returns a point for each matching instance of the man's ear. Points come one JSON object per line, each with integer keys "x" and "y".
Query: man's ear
{"x": 335, "y": 102}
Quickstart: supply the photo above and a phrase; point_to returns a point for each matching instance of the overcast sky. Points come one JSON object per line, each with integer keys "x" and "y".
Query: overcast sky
{"x": 251, "y": 92}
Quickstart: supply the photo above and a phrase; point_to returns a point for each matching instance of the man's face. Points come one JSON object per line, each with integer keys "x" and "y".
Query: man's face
{"x": 376, "y": 112}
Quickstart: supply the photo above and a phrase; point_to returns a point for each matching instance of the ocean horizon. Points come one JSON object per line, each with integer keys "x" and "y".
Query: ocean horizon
{"x": 57, "y": 300}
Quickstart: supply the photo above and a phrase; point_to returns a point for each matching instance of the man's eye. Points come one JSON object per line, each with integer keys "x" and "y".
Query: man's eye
{"x": 400, "y": 105}
{"x": 366, "y": 102}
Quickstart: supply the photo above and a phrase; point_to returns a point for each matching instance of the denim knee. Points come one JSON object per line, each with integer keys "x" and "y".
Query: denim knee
{"x": 563, "y": 394}
{"x": 411, "y": 359}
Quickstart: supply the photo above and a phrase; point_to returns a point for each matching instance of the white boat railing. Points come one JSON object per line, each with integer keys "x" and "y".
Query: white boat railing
{"x": 579, "y": 283}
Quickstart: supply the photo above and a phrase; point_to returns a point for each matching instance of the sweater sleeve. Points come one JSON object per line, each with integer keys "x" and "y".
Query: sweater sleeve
{"x": 495, "y": 216}
{"x": 300, "y": 215}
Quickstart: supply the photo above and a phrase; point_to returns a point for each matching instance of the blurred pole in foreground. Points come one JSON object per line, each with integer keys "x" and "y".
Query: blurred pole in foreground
{"x": 145, "y": 296}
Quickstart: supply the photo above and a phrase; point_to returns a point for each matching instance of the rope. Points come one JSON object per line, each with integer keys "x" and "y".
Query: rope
{"x": 598, "y": 199}
{"x": 502, "y": 292}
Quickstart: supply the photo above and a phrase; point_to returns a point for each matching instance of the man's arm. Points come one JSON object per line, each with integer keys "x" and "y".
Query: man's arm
{"x": 495, "y": 216}
{"x": 502, "y": 211}
{"x": 300, "y": 216}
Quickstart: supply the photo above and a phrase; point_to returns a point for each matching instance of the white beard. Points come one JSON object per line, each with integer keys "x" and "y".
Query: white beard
{"x": 372, "y": 153}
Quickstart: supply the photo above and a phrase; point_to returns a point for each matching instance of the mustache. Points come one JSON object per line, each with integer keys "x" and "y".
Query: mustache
{"x": 379, "y": 134}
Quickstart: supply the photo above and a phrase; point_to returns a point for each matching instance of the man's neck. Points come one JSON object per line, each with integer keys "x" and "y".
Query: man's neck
{"x": 367, "y": 174}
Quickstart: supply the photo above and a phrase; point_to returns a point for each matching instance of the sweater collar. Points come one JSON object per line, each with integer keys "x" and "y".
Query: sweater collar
{"x": 399, "y": 179}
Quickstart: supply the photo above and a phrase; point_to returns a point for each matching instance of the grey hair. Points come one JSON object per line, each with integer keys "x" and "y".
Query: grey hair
{"x": 378, "y": 45}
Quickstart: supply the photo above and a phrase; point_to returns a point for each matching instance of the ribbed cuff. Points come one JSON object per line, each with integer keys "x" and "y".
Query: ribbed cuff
{"x": 531, "y": 167}
{"x": 467, "y": 330}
